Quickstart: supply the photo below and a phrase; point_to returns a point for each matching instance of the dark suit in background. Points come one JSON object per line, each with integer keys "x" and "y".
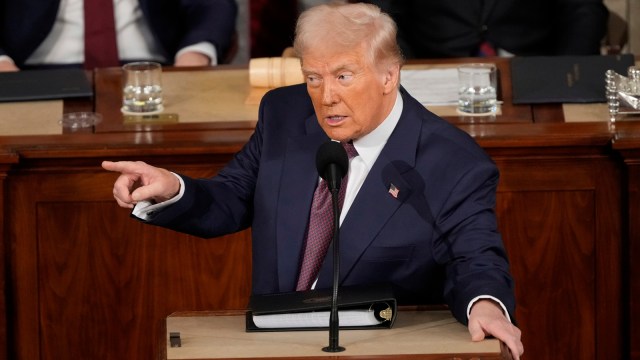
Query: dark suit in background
{"x": 456, "y": 28}
{"x": 441, "y": 226}
{"x": 175, "y": 24}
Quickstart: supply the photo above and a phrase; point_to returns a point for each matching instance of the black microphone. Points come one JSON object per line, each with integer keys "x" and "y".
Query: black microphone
{"x": 332, "y": 163}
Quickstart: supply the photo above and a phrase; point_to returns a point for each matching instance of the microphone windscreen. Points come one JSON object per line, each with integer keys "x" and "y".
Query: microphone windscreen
{"x": 332, "y": 152}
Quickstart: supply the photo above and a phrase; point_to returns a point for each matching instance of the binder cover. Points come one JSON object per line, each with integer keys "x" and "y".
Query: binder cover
{"x": 564, "y": 79}
{"x": 378, "y": 298}
{"x": 49, "y": 84}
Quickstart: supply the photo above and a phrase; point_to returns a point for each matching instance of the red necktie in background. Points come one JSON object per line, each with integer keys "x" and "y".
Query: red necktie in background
{"x": 487, "y": 49}
{"x": 320, "y": 231}
{"x": 100, "y": 48}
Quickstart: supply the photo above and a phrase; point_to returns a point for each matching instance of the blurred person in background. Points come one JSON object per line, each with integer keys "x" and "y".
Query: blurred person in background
{"x": 50, "y": 33}
{"x": 466, "y": 28}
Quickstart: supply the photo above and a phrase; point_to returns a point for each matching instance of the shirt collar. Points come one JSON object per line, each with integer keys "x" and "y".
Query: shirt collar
{"x": 370, "y": 145}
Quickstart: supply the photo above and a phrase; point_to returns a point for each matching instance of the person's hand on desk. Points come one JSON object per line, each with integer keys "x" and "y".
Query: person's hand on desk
{"x": 7, "y": 65}
{"x": 139, "y": 181}
{"x": 487, "y": 318}
{"x": 192, "y": 58}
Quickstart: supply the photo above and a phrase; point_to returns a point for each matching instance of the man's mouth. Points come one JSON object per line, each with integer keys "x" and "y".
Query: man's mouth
{"x": 335, "y": 119}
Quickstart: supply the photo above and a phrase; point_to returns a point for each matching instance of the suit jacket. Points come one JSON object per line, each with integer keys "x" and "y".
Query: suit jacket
{"x": 437, "y": 239}
{"x": 456, "y": 28}
{"x": 175, "y": 24}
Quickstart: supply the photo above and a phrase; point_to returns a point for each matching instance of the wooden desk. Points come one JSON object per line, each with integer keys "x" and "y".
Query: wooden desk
{"x": 212, "y": 99}
{"x": 415, "y": 335}
{"x": 83, "y": 280}
{"x": 196, "y": 95}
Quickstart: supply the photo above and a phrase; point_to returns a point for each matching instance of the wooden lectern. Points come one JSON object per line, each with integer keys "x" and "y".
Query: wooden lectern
{"x": 426, "y": 335}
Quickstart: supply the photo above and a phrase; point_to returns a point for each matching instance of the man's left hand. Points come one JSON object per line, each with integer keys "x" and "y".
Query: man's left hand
{"x": 487, "y": 318}
{"x": 192, "y": 58}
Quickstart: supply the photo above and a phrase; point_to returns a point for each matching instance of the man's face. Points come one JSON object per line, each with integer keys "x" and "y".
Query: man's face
{"x": 350, "y": 96}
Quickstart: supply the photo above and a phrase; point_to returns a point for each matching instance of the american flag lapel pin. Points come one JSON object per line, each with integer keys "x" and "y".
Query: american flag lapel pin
{"x": 393, "y": 190}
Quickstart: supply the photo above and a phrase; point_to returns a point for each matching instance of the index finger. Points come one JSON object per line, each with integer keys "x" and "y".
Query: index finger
{"x": 123, "y": 166}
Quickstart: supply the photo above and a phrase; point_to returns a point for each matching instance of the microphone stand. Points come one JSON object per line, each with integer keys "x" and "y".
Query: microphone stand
{"x": 334, "y": 322}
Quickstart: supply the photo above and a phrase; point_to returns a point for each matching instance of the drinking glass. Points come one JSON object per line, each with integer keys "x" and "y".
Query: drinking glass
{"x": 142, "y": 91}
{"x": 477, "y": 88}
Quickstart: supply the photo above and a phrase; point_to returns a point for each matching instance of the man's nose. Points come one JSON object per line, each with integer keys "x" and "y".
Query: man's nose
{"x": 329, "y": 95}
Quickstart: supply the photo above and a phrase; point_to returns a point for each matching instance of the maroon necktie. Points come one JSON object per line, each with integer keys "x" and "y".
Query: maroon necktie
{"x": 100, "y": 49}
{"x": 320, "y": 231}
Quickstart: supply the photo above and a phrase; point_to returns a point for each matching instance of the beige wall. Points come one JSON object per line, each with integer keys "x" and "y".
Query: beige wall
{"x": 634, "y": 26}
{"x": 242, "y": 26}
{"x": 630, "y": 11}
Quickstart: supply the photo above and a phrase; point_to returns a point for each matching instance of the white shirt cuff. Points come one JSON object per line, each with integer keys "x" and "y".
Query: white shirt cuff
{"x": 204, "y": 48}
{"x": 145, "y": 209}
{"x": 473, "y": 301}
{"x": 6, "y": 58}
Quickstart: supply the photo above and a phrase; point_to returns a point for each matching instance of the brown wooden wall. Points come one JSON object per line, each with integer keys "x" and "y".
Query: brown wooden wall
{"x": 89, "y": 282}
{"x": 559, "y": 220}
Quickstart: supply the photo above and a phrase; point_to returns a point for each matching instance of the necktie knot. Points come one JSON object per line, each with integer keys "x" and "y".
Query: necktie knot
{"x": 350, "y": 149}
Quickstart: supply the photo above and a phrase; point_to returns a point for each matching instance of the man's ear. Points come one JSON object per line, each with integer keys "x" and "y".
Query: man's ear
{"x": 391, "y": 78}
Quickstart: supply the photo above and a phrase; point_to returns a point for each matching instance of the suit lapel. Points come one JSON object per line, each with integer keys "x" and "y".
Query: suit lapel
{"x": 374, "y": 204}
{"x": 298, "y": 182}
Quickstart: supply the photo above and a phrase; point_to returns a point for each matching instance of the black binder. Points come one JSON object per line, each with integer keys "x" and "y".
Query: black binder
{"x": 48, "y": 84}
{"x": 564, "y": 79}
{"x": 377, "y": 298}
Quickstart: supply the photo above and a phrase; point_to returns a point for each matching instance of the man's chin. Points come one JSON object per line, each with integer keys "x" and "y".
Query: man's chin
{"x": 338, "y": 136}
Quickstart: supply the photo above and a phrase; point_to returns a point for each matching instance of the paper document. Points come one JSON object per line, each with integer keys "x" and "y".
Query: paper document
{"x": 361, "y": 317}
{"x": 432, "y": 86}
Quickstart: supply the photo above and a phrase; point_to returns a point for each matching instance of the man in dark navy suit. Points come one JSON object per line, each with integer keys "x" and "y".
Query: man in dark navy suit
{"x": 34, "y": 33}
{"x": 419, "y": 205}
{"x": 462, "y": 28}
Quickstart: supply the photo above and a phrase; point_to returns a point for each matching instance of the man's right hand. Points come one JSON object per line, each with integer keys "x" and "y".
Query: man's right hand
{"x": 7, "y": 65}
{"x": 139, "y": 181}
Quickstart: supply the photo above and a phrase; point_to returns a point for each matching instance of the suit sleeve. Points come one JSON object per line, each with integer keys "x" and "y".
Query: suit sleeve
{"x": 220, "y": 205}
{"x": 213, "y": 21}
{"x": 470, "y": 245}
{"x": 180, "y": 23}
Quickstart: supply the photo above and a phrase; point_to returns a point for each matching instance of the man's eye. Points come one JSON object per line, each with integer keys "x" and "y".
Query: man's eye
{"x": 345, "y": 77}
{"x": 313, "y": 80}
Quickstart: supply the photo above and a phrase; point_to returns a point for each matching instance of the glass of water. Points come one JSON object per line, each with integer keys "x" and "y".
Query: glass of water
{"x": 142, "y": 91}
{"x": 477, "y": 88}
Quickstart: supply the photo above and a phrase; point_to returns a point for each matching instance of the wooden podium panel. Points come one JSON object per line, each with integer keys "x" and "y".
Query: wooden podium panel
{"x": 415, "y": 334}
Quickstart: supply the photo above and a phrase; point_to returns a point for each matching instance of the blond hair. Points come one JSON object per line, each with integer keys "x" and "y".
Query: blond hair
{"x": 343, "y": 27}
